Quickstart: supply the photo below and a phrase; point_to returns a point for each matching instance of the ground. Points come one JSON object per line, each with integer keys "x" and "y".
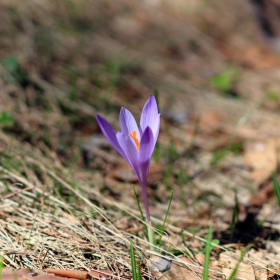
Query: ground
{"x": 67, "y": 197}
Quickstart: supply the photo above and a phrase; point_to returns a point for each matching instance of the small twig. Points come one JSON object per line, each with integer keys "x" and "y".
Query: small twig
{"x": 16, "y": 192}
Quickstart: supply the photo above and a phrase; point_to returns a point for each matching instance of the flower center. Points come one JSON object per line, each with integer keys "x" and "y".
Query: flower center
{"x": 134, "y": 137}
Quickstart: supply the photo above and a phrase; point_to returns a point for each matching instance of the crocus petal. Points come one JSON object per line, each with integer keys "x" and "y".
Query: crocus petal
{"x": 147, "y": 145}
{"x": 155, "y": 128}
{"x": 128, "y": 124}
{"x": 149, "y": 114}
{"x": 110, "y": 134}
{"x": 129, "y": 150}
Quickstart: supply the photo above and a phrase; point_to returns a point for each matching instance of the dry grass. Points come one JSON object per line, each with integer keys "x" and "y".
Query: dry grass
{"x": 49, "y": 218}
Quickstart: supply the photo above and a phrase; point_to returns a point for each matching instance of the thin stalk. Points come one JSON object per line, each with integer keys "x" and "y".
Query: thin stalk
{"x": 146, "y": 204}
{"x": 165, "y": 218}
{"x": 139, "y": 274}
{"x": 207, "y": 253}
{"x": 234, "y": 219}
{"x": 241, "y": 259}
{"x": 30, "y": 233}
{"x": 141, "y": 212}
{"x": 151, "y": 236}
{"x": 148, "y": 217}
{"x": 1, "y": 266}
{"x": 133, "y": 262}
{"x": 276, "y": 187}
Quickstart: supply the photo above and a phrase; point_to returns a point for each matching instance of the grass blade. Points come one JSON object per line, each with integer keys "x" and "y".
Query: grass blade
{"x": 234, "y": 219}
{"x": 190, "y": 151}
{"x": 141, "y": 212}
{"x": 156, "y": 93}
{"x": 276, "y": 187}
{"x": 242, "y": 254}
{"x": 1, "y": 266}
{"x": 207, "y": 253}
{"x": 31, "y": 231}
{"x": 133, "y": 263}
{"x": 165, "y": 218}
{"x": 139, "y": 275}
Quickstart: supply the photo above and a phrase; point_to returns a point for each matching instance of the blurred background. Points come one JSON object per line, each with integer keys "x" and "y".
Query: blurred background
{"x": 64, "y": 61}
{"x": 213, "y": 65}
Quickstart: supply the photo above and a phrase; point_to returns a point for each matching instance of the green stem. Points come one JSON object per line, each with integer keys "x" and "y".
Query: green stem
{"x": 148, "y": 218}
{"x": 151, "y": 236}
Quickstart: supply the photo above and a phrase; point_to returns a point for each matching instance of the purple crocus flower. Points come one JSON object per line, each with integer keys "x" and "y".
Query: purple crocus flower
{"x": 136, "y": 145}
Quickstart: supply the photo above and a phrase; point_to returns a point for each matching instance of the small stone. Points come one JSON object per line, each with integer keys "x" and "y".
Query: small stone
{"x": 159, "y": 264}
{"x": 175, "y": 116}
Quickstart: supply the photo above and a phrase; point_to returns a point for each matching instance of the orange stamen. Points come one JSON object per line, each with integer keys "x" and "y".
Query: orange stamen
{"x": 134, "y": 137}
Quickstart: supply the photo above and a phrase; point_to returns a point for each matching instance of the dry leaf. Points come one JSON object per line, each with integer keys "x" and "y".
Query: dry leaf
{"x": 9, "y": 273}
{"x": 261, "y": 157}
{"x": 229, "y": 263}
{"x": 100, "y": 274}
{"x": 179, "y": 271}
{"x": 260, "y": 273}
{"x": 47, "y": 277}
{"x": 210, "y": 122}
{"x": 27, "y": 274}
{"x": 68, "y": 273}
